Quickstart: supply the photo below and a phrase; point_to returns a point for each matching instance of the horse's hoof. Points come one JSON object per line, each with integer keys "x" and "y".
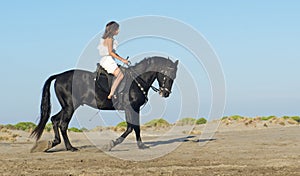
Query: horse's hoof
{"x": 41, "y": 146}
{"x": 143, "y": 146}
{"x": 109, "y": 146}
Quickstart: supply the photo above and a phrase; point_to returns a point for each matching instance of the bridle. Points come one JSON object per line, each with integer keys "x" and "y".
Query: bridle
{"x": 165, "y": 73}
{"x": 137, "y": 80}
{"x": 163, "y": 88}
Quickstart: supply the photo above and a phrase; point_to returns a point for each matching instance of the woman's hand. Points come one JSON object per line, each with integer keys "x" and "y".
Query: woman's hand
{"x": 125, "y": 61}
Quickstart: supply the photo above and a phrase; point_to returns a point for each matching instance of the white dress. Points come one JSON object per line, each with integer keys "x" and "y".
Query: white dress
{"x": 107, "y": 61}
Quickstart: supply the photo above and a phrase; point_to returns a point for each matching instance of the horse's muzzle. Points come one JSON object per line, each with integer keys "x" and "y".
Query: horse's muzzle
{"x": 164, "y": 92}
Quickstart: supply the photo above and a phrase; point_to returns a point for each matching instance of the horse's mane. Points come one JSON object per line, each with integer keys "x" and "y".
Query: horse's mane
{"x": 154, "y": 61}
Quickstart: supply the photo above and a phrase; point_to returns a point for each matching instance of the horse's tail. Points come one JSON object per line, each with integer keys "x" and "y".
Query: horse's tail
{"x": 45, "y": 109}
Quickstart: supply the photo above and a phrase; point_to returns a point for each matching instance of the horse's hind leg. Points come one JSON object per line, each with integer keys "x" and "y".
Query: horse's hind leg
{"x": 64, "y": 123}
{"x": 55, "y": 121}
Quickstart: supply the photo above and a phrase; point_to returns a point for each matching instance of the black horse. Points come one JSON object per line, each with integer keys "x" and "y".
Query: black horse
{"x": 75, "y": 88}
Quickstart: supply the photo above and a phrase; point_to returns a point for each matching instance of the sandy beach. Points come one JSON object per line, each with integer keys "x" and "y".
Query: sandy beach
{"x": 237, "y": 148}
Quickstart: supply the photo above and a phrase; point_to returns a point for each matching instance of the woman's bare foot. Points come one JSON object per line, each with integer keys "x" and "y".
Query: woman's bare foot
{"x": 109, "y": 96}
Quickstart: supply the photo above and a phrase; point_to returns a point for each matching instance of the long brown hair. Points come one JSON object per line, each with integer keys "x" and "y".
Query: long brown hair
{"x": 110, "y": 29}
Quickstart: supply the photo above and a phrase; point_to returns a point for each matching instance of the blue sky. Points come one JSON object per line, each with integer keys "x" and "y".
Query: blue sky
{"x": 257, "y": 43}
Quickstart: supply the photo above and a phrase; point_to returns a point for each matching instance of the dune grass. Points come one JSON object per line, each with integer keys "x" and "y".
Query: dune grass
{"x": 120, "y": 127}
{"x": 201, "y": 121}
{"x": 24, "y": 126}
{"x": 48, "y": 127}
{"x": 186, "y": 121}
{"x": 296, "y": 118}
{"x": 74, "y": 129}
{"x": 265, "y": 118}
{"x": 160, "y": 122}
{"x": 157, "y": 123}
{"x": 122, "y": 124}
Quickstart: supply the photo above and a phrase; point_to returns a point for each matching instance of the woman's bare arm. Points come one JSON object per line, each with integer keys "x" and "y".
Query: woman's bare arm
{"x": 111, "y": 51}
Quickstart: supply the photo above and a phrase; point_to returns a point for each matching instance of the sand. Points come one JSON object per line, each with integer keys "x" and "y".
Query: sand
{"x": 236, "y": 149}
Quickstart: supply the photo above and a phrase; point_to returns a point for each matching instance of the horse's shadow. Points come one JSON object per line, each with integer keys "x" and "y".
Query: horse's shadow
{"x": 149, "y": 143}
{"x": 178, "y": 140}
{"x": 80, "y": 148}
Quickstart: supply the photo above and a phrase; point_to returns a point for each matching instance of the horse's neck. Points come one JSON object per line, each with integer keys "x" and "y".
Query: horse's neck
{"x": 148, "y": 79}
{"x": 147, "y": 70}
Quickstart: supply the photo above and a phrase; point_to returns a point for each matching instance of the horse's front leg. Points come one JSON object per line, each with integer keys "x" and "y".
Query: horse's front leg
{"x": 134, "y": 118}
{"x": 120, "y": 139}
{"x": 137, "y": 131}
{"x": 128, "y": 116}
{"x": 133, "y": 123}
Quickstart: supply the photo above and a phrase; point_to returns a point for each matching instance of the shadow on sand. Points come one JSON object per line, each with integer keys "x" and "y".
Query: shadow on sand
{"x": 182, "y": 139}
{"x": 150, "y": 143}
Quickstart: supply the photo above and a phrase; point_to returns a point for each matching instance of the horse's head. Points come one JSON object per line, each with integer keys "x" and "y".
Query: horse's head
{"x": 166, "y": 77}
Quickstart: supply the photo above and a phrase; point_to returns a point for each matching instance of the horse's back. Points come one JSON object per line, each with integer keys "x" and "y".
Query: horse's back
{"x": 75, "y": 76}
{"x": 76, "y": 86}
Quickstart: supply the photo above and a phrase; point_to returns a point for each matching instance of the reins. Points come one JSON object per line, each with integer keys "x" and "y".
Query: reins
{"x": 134, "y": 75}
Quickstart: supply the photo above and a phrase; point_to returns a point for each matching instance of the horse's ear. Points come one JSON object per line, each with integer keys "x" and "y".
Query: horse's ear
{"x": 176, "y": 63}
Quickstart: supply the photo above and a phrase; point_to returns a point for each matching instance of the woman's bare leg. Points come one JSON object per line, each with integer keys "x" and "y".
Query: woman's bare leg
{"x": 119, "y": 76}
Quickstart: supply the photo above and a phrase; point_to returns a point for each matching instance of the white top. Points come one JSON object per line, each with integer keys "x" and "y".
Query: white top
{"x": 103, "y": 50}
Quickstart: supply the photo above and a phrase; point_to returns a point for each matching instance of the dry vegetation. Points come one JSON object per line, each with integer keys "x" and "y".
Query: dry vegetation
{"x": 266, "y": 120}
{"x": 7, "y": 135}
{"x": 161, "y": 123}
